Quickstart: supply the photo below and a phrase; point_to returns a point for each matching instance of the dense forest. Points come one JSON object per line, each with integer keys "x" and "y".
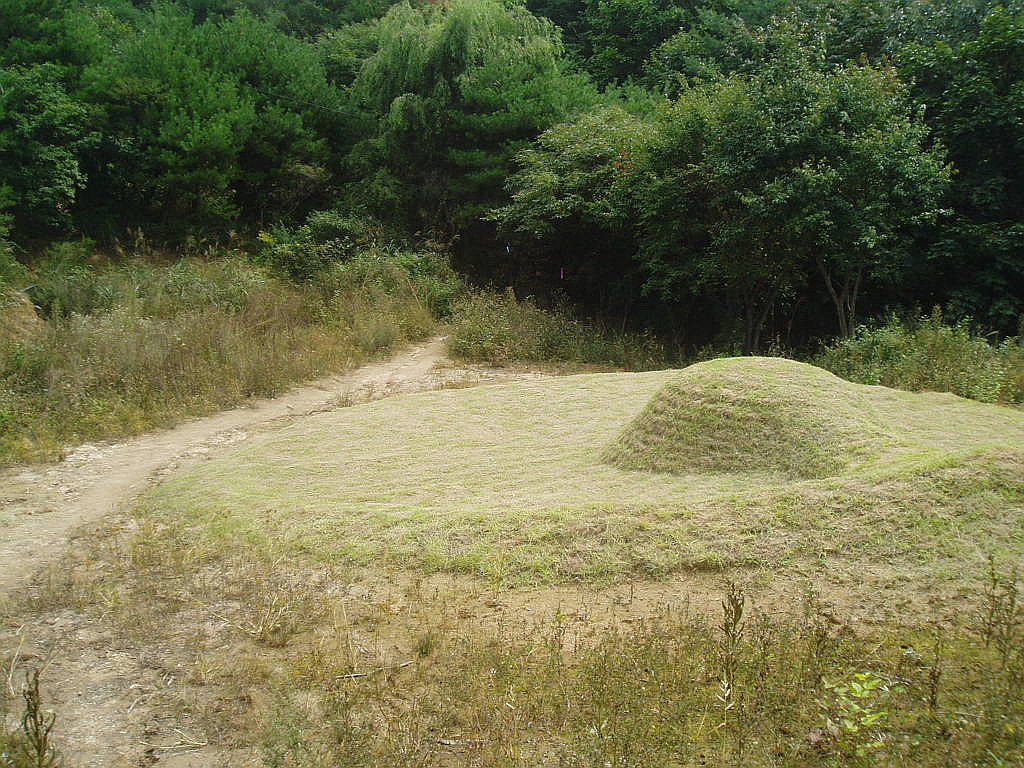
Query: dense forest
{"x": 735, "y": 172}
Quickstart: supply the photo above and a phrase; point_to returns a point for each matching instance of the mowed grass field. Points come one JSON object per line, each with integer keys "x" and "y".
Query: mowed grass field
{"x": 756, "y": 463}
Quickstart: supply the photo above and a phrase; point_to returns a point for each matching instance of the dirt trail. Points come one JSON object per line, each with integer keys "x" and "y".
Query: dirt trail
{"x": 41, "y": 505}
{"x": 106, "y": 691}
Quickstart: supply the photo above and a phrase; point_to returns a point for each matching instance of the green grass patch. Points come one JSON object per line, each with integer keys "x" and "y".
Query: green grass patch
{"x": 508, "y": 483}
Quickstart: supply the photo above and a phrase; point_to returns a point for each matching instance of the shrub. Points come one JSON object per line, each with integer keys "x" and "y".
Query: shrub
{"x": 326, "y": 237}
{"x": 495, "y": 327}
{"x": 929, "y": 354}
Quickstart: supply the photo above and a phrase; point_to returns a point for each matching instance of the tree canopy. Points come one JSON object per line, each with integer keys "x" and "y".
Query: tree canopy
{"x": 730, "y": 171}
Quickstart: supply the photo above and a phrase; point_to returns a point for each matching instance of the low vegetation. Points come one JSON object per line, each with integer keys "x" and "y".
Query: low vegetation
{"x": 496, "y": 327}
{"x": 679, "y": 689}
{"x": 31, "y": 743}
{"x": 99, "y": 351}
{"x": 927, "y": 482}
{"x": 335, "y": 667}
{"x": 928, "y": 354}
{"x": 749, "y": 415}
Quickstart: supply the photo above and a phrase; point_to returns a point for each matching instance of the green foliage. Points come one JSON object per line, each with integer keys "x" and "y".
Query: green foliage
{"x": 792, "y": 168}
{"x": 457, "y": 90}
{"x": 43, "y": 136}
{"x": 326, "y": 237}
{"x": 928, "y": 354}
{"x": 580, "y": 175}
{"x": 206, "y": 124}
{"x": 344, "y": 50}
{"x": 763, "y": 180}
{"x": 621, "y": 34}
{"x": 749, "y": 186}
{"x": 724, "y": 39}
{"x": 498, "y": 328}
{"x": 975, "y": 96}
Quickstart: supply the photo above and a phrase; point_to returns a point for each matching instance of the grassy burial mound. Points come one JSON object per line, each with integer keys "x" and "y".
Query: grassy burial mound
{"x": 752, "y": 414}
{"x": 758, "y": 463}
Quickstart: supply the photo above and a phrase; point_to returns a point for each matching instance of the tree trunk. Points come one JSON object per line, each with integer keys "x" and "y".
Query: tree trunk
{"x": 844, "y": 297}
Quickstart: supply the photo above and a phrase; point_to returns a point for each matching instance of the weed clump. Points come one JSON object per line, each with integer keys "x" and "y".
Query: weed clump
{"x": 746, "y": 414}
{"x": 498, "y": 328}
{"x": 929, "y": 354}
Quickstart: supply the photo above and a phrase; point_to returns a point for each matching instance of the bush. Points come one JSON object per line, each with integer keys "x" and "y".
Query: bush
{"x": 325, "y": 238}
{"x": 928, "y": 354}
{"x": 494, "y": 327}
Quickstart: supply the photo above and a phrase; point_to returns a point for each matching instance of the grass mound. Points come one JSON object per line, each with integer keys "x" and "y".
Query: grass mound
{"x": 507, "y": 483}
{"x": 749, "y": 414}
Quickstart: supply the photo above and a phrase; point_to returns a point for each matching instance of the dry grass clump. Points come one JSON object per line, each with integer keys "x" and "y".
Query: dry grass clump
{"x": 497, "y": 328}
{"x": 121, "y": 348}
{"x": 735, "y": 687}
{"x": 748, "y": 414}
{"x": 19, "y": 321}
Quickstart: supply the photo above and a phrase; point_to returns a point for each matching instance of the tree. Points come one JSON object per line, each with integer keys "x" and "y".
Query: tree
{"x": 457, "y": 90}
{"x": 620, "y": 34}
{"x": 787, "y": 170}
{"x": 43, "y": 134}
{"x": 974, "y": 92}
{"x": 211, "y": 124}
{"x": 575, "y": 203}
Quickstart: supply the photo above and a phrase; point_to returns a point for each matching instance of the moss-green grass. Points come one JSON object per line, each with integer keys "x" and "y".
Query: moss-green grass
{"x": 744, "y": 414}
{"x": 509, "y": 482}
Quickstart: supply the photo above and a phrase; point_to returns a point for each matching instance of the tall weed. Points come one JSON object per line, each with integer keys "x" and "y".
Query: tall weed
{"x": 676, "y": 688}
{"x": 126, "y": 347}
{"x": 929, "y": 354}
{"x": 498, "y": 328}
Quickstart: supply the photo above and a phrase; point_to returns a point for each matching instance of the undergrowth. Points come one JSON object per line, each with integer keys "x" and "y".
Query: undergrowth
{"x": 496, "y": 327}
{"x": 117, "y": 348}
{"x": 327, "y": 668}
{"x": 930, "y": 354}
{"x": 743, "y": 688}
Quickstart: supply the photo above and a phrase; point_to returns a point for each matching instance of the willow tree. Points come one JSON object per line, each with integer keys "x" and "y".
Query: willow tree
{"x": 458, "y": 89}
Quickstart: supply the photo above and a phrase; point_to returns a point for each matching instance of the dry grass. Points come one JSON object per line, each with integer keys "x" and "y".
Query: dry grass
{"x": 506, "y": 483}
{"x": 751, "y": 414}
{"x": 355, "y": 590}
{"x": 292, "y": 665}
{"x": 133, "y": 346}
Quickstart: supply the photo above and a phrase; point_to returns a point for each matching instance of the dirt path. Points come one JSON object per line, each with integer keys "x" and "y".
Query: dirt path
{"x": 104, "y": 690}
{"x": 41, "y": 505}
